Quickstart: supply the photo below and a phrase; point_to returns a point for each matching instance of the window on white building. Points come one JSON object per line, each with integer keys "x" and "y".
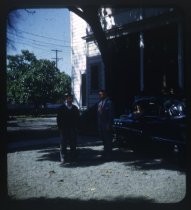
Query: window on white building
{"x": 94, "y": 77}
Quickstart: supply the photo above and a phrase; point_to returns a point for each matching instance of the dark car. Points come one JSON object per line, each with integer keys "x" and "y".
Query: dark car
{"x": 153, "y": 122}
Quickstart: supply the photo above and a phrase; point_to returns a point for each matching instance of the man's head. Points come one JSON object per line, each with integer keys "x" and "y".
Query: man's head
{"x": 102, "y": 94}
{"x": 69, "y": 98}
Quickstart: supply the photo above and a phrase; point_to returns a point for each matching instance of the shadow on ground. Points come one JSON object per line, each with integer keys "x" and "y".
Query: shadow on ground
{"x": 118, "y": 203}
{"x": 92, "y": 156}
{"x": 28, "y": 134}
{"x": 47, "y": 141}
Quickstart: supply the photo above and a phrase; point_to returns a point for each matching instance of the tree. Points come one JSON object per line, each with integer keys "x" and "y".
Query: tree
{"x": 30, "y": 80}
{"x": 92, "y": 15}
{"x": 63, "y": 85}
{"x": 12, "y": 19}
{"x": 18, "y": 70}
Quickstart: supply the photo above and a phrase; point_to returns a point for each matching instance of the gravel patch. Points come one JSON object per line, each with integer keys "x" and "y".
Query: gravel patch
{"x": 38, "y": 174}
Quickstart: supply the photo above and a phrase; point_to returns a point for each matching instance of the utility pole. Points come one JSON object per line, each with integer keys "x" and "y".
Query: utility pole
{"x": 56, "y": 58}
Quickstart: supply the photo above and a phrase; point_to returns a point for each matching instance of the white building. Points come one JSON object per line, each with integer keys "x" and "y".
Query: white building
{"x": 87, "y": 65}
{"x": 78, "y": 30}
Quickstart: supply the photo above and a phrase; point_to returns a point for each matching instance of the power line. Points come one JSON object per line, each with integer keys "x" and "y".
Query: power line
{"x": 56, "y": 58}
{"x": 33, "y": 34}
{"x": 41, "y": 36}
{"x": 67, "y": 46}
{"x": 30, "y": 44}
{"x": 45, "y": 43}
{"x": 33, "y": 45}
{"x": 37, "y": 46}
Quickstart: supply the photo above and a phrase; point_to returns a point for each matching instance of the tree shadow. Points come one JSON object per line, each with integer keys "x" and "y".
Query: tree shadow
{"x": 92, "y": 156}
{"x": 49, "y": 154}
{"x": 35, "y": 140}
{"x": 117, "y": 203}
{"x": 33, "y": 144}
{"x": 28, "y": 134}
{"x": 89, "y": 152}
{"x": 86, "y": 156}
{"x": 157, "y": 161}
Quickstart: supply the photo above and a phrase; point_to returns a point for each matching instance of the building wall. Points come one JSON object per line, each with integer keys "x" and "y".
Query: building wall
{"x": 78, "y": 56}
{"x": 84, "y": 55}
{"x": 92, "y": 93}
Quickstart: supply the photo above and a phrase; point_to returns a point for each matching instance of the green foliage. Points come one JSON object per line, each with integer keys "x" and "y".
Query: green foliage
{"x": 34, "y": 81}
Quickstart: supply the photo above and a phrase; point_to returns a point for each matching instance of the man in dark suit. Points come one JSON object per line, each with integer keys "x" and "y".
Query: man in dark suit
{"x": 105, "y": 119}
{"x": 67, "y": 121}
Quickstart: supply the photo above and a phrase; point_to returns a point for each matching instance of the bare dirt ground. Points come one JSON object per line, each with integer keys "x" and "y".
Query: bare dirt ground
{"x": 35, "y": 174}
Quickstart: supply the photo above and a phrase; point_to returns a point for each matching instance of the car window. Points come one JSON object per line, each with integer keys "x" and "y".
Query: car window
{"x": 152, "y": 109}
{"x": 158, "y": 108}
{"x": 146, "y": 108}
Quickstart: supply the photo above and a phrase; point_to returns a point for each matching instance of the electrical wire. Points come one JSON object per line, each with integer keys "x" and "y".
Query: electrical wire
{"x": 41, "y": 36}
{"x": 41, "y": 42}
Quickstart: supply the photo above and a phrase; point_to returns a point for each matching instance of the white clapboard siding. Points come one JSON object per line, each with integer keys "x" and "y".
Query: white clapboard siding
{"x": 92, "y": 49}
{"x": 83, "y": 54}
{"x": 92, "y": 96}
{"x": 78, "y": 30}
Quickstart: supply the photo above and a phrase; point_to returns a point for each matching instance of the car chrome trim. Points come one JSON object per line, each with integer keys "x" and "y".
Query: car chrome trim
{"x": 132, "y": 129}
{"x": 167, "y": 140}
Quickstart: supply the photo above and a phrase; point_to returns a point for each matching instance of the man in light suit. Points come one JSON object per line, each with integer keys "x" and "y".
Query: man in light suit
{"x": 105, "y": 119}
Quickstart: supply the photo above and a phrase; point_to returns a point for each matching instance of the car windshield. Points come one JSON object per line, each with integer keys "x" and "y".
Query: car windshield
{"x": 146, "y": 107}
{"x": 152, "y": 107}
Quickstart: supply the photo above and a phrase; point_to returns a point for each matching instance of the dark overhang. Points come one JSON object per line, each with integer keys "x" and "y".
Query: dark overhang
{"x": 140, "y": 25}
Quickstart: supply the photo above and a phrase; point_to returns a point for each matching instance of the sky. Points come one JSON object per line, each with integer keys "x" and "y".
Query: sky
{"x": 42, "y": 32}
